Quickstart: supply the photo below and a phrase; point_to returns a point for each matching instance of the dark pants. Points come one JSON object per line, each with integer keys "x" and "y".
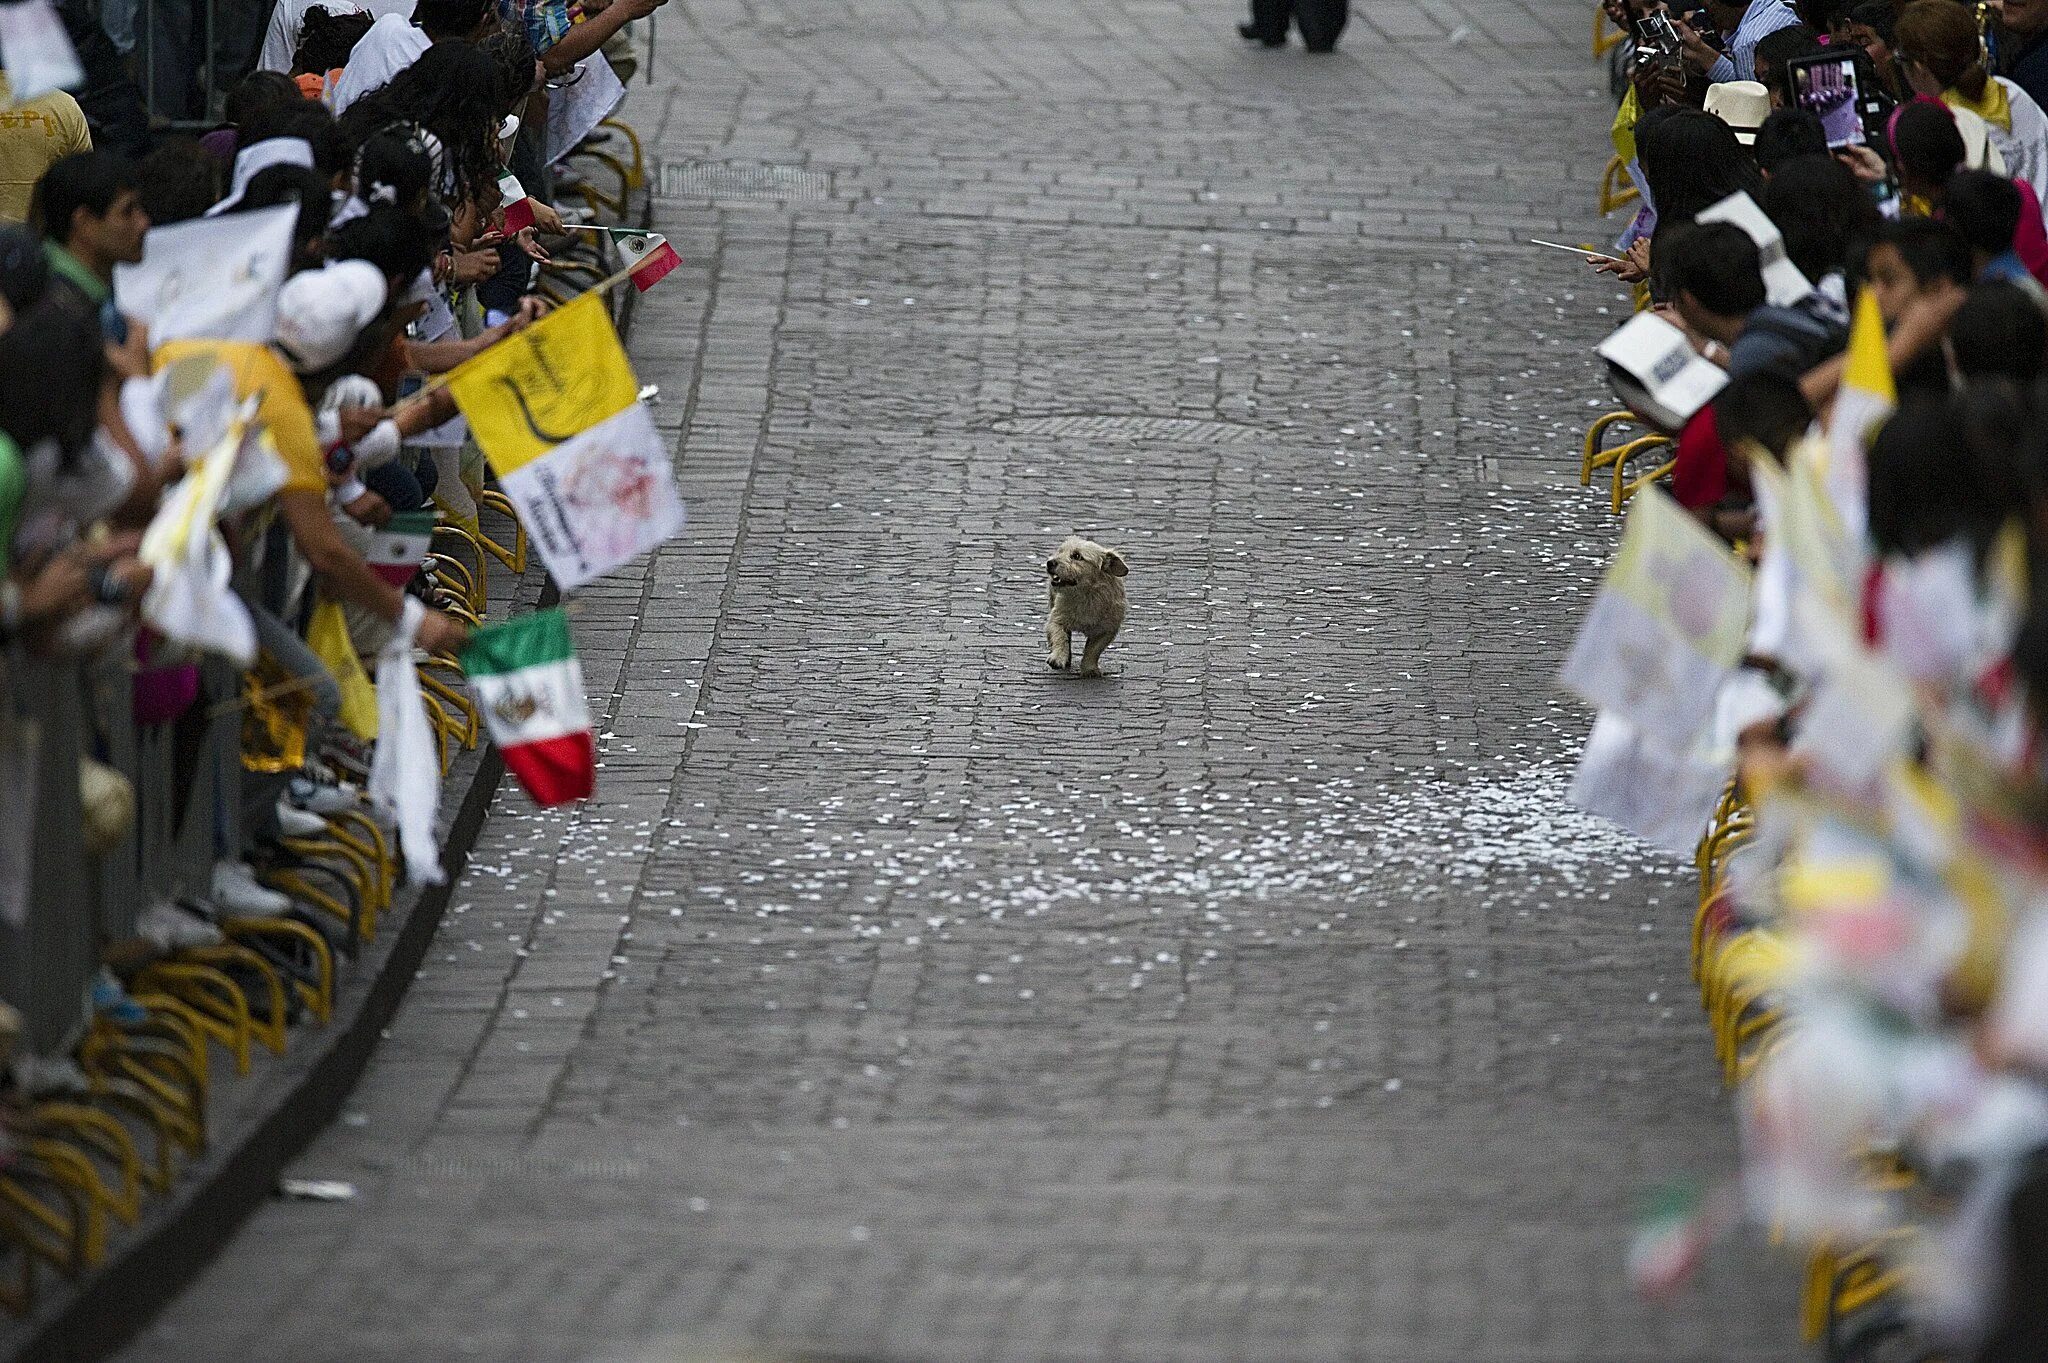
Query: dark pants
{"x": 405, "y": 484}
{"x": 174, "y": 34}
{"x": 2019, "y": 1331}
{"x": 1320, "y": 20}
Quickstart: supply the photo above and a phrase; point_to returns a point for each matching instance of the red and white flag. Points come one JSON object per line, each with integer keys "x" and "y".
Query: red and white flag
{"x": 518, "y": 207}
{"x": 648, "y": 255}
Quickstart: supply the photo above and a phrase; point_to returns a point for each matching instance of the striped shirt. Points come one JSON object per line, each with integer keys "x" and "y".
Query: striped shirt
{"x": 1762, "y": 18}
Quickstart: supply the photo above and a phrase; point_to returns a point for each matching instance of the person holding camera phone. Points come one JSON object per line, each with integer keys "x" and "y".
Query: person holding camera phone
{"x": 1743, "y": 24}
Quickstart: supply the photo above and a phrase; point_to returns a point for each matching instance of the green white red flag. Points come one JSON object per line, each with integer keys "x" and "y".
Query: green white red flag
{"x": 397, "y": 550}
{"x": 529, "y": 686}
{"x": 647, "y": 255}
{"x": 518, "y": 207}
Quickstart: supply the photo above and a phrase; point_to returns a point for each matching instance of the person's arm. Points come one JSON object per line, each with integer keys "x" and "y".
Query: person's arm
{"x": 280, "y": 38}
{"x": 593, "y": 33}
{"x": 1703, "y": 54}
{"x": 345, "y": 574}
{"x": 437, "y": 357}
{"x": 1922, "y": 324}
{"x": 425, "y": 413}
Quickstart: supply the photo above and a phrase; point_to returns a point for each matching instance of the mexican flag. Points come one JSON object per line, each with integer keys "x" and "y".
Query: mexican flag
{"x": 530, "y": 688}
{"x": 518, "y": 207}
{"x": 396, "y": 551}
{"x": 647, "y": 255}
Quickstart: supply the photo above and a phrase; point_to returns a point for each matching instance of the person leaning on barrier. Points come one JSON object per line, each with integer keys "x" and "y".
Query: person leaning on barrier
{"x": 1718, "y": 288}
{"x": 69, "y": 580}
{"x": 320, "y": 315}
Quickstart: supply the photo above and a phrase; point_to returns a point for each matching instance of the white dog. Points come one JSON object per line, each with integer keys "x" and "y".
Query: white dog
{"x": 1087, "y": 599}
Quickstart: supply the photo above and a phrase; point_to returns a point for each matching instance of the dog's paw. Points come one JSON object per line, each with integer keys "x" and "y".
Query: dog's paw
{"x": 1091, "y": 671}
{"x": 1058, "y": 662}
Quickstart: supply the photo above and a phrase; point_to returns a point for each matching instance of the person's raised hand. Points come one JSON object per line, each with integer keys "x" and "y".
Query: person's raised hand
{"x": 1866, "y": 165}
{"x": 59, "y": 587}
{"x": 529, "y": 242}
{"x": 1632, "y": 268}
{"x": 1702, "y": 53}
{"x": 357, "y": 422}
{"x": 547, "y": 219}
{"x": 474, "y": 267}
{"x": 125, "y": 576}
{"x": 130, "y": 359}
{"x": 369, "y": 509}
{"x": 441, "y": 633}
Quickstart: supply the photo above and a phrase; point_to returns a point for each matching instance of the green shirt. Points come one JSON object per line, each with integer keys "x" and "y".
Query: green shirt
{"x": 13, "y": 487}
{"x": 73, "y": 269}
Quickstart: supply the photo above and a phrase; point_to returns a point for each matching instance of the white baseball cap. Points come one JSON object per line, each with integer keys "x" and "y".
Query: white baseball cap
{"x": 321, "y": 312}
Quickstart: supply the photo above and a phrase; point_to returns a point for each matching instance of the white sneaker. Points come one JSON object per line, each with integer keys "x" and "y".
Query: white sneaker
{"x": 324, "y": 797}
{"x": 294, "y": 822}
{"x": 42, "y": 1076}
{"x": 171, "y": 927}
{"x": 236, "y": 890}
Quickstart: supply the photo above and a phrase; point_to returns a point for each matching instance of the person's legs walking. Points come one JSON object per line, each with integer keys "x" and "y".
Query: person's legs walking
{"x": 1269, "y": 21}
{"x": 1321, "y": 22}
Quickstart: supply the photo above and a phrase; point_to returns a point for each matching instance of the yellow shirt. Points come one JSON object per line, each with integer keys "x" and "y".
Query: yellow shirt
{"x": 259, "y": 372}
{"x": 34, "y": 135}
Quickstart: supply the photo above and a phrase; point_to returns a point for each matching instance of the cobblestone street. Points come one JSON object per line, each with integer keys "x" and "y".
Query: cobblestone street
{"x": 898, "y": 999}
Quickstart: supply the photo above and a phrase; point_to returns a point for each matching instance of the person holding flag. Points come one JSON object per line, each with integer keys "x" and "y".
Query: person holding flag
{"x": 322, "y": 313}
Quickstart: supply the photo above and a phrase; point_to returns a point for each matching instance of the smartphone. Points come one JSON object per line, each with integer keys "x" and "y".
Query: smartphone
{"x": 1836, "y": 88}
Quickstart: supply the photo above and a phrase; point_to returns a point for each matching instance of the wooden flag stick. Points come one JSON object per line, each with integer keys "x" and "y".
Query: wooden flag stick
{"x": 247, "y": 698}
{"x": 438, "y": 381}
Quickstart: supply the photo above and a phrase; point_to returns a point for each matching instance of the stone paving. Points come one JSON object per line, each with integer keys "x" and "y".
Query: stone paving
{"x": 898, "y": 999}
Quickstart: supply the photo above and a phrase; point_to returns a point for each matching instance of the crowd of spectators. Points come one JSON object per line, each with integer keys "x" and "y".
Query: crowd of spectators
{"x": 1877, "y": 448}
{"x": 393, "y": 139}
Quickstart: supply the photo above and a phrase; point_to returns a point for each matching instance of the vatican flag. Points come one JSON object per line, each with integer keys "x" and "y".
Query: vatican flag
{"x": 550, "y": 383}
{"x": 1867, "y": 397}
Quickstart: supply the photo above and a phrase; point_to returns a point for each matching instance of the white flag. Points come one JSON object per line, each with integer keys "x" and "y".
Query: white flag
{"x": 1666, "y": 629}
{"x": 405, "y": 770}
{"x": 1784, "y": 284}
{"x": 210, "y": 278}
{"x": 189, "y": 600}
{"x": 580, "y": 103}
{"x": 37, "y": 51}
{"x": 599, "y": 499}
{"x": 1666, "y": 798}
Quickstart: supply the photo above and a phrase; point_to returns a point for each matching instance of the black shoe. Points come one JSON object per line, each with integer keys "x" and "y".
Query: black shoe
{"x": 1319, "y": 47}
{"x": 1250, "y": 33}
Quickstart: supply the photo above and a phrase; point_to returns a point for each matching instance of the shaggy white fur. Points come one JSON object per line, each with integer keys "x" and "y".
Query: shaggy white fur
{"x": 1087, "y": 599}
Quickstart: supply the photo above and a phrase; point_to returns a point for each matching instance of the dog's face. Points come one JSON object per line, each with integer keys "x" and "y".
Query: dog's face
{"x": 1084, "y": 563}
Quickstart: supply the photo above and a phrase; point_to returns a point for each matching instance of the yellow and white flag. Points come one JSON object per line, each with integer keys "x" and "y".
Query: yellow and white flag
{"x": 556, "y": 411}
{"x": 551, "y": 382}
{"x": 189, "y": 600}
{"x": 1867, "y": 397}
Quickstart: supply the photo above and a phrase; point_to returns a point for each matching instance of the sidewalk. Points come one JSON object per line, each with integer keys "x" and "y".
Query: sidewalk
{"x": 900, "y": 1000}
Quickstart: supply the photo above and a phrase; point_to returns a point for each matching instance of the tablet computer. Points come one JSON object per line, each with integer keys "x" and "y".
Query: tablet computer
{"x": 1836, "y": 87}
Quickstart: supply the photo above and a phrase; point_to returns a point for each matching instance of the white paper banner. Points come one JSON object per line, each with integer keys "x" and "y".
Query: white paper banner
{"x": 210, "y": 278}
